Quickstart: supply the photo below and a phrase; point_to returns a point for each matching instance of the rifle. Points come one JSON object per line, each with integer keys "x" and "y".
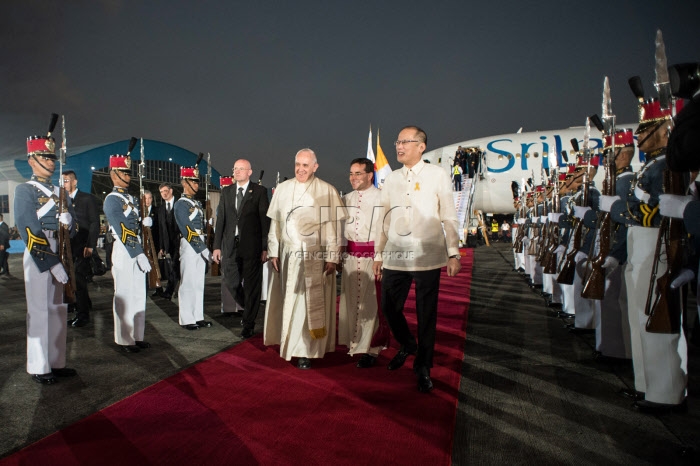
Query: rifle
{"x": 568, "y": 269}
{"x": 65, "y": 254}
{"x": 549, "y": 263}
{"x": 149, "y": 248}
{"x": 532, "y": 250}
{"x": 215, "y": 268}
{"x": 594, "y": 286}
{"x": 518, "y": 243}
{"x": 543, "y": 243}
{"x": 665, "y": 313}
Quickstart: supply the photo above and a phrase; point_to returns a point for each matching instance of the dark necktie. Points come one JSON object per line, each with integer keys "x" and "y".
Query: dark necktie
{"x": 239, "y": 198}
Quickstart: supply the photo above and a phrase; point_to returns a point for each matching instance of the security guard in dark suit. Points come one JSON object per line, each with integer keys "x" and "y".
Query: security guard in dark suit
{"x": 240, "y": 242}
{"x": 168, "y": 240}
{"x": 82, "y": 245}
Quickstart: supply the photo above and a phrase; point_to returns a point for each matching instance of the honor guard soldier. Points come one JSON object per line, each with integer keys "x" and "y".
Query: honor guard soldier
{"x": 585, "y": 308}
{"x": 659, "y": 360}
{"x": 129, "y": 262}
{"x": 528, "y": 233}
{"x": 38, "y": 222}
{"x": 612, "y": 322}
{"x": 566, "y": 229}
{"x": 194, "y": 254}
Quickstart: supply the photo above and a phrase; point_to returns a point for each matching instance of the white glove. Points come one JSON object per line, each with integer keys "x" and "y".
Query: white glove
{"x": 580, "y": 211}
{"x": 605, "y": 203}
{"x": 555, "y": 217}
{"x": 66, "y": 219}
{"x": 142, "y": 262}
{"x": 684, "y": 277}
{"x": 210, "y": 221}
{"x": 543, "y": 219}
{"x": 59, "y": 273}
{"x": 580, "y": 256}
{"x": 560, "y": 249}
{"x": 641, "y": 194}
{"x": 610, "y": 264}
{"x": 206, "y": 254}
{"x": 147, "y": 222}
{"x": 671, "y": 205}
{"x": 521, "y": 221}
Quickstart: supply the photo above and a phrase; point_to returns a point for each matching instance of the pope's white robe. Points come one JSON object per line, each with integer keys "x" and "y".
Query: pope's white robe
{"x": 300, "y": 310}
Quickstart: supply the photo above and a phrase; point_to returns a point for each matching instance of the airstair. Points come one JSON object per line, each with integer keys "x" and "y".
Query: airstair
{"x": 463, "y": 202}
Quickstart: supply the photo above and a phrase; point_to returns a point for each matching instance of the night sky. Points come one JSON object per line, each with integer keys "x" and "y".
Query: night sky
{"x": 260, "y": 79}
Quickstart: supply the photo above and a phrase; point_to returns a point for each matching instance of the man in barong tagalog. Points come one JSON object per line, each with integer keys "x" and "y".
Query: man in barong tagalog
{"x": 303, "y": 247}
{"x": 417, "y": 239}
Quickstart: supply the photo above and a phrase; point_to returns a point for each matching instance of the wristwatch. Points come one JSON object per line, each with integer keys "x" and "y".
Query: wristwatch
{"x": 456, "y": 256}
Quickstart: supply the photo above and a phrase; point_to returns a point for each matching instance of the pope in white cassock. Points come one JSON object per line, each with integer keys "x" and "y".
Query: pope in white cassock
{"x": 304, "y": 248}
{"x": 358, "y": 320}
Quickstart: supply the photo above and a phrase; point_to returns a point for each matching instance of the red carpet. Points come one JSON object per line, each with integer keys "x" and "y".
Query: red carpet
{"x": 248, "y": 406}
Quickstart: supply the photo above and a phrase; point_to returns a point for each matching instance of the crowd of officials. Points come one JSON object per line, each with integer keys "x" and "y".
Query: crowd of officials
{"x": 301, "y": 238}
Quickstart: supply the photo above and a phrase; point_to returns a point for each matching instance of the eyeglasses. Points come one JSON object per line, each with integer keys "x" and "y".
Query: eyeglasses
{"x": 403, "y": 142}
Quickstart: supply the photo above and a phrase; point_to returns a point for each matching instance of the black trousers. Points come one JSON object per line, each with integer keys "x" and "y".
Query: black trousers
{"x": 395, "y": 287}
{"x": 173, "y": 269}
{"x": 3, "y": 261}
{"x": 243, "y": 278}
{"x": 81, "y": 267}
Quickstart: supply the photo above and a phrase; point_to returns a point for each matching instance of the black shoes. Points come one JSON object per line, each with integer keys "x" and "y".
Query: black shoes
{"x": 44, "y": 379}
{"x": 143, "y": 344}
{"x": 246, "y": 333}
{"x": 304, "y": 363}
{"x": 398, "y": 360}
{"x": 162, "y": 293}
{"x": 129, "y": 348}
{"x": 50, "y": 378}
{"x": 649, "y": 407}
{"x": 367, "y": 361}
{"x": 203, "y": 323}
{"x": 581, "y": 331}
{"x": 64, "y": 372}
{"x": 424, "y": 383}
{"x": 79, "y": 321}
{"x": 190, "y": 327}
{"x": 631, "y": 393}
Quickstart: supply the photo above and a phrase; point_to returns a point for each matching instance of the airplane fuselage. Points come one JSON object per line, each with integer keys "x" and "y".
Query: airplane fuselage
{"x": 517, "y": 157}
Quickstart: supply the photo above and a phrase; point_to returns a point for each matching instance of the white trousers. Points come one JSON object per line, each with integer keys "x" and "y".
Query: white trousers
{"x": 660, "y": 360}
{"x": 612, "y": 329}
{"x": 585, "y": 308}
{"x": 46, "y": 318}
{"x": 191, "y": 293}
{"x": 129, "y": 305}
